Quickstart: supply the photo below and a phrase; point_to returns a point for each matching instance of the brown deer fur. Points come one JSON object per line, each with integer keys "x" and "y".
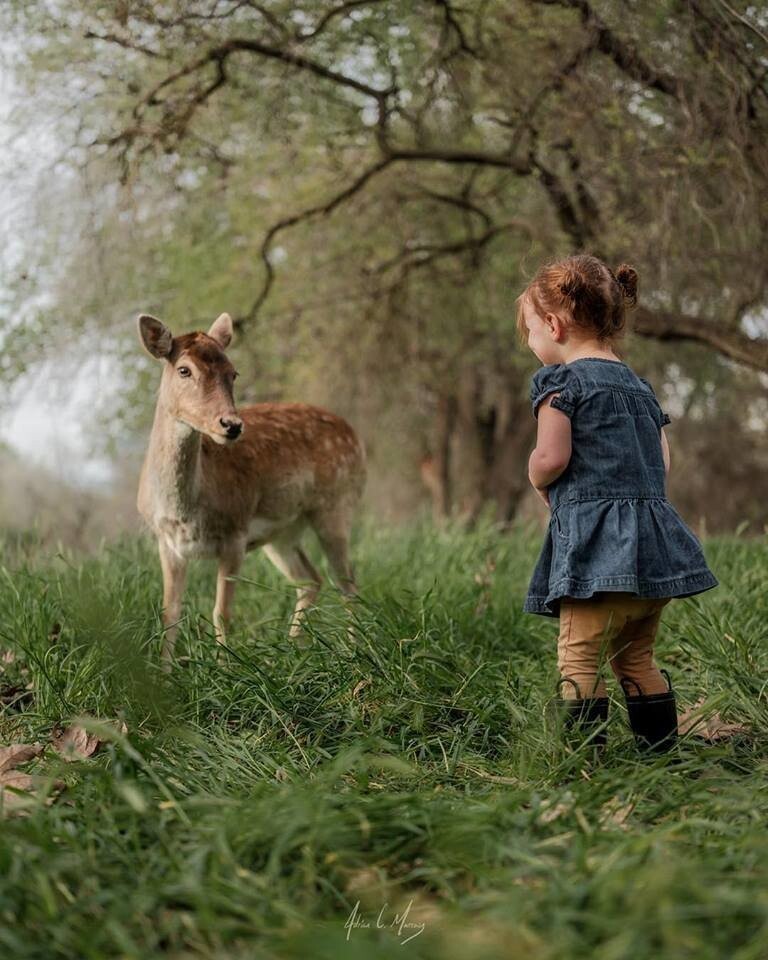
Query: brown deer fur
{"x": 217, "y": 481}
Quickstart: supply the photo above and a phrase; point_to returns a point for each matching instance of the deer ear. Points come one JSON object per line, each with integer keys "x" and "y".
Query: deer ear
{"x": 221, "y": 331}
{"x": 155, "y": 336}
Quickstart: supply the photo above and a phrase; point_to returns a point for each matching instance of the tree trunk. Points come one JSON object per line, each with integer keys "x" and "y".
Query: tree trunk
{"x": 480, "y": 450}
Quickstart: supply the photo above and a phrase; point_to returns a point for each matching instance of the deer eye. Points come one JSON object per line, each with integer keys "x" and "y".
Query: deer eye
{"x": 185, "y": 372}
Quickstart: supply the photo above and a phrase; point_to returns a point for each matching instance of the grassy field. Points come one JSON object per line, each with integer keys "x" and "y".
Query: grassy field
{"x": 399, "y": 792}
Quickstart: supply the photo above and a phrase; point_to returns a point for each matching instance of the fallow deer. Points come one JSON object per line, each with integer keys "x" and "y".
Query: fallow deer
{"x": 218, "y": 481}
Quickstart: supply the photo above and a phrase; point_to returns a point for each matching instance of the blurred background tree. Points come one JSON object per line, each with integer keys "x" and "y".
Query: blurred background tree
{"x": 368, "y": 185}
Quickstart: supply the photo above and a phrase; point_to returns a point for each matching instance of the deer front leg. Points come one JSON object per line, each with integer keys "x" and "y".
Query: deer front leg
{"x": 229, "y": 565}
{"x": 174, "y": 578}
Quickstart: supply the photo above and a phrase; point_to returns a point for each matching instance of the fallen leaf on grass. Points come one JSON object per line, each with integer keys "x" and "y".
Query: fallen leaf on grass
{"x": 614, "y": 813}
{"x": 16, "y": 791}
{"x": 551, "y": 810}
{"x": 15, "y": 787}
{"x": 550, "y": 814}
{"x": 75, "y": 743}
{"x": 712, "y": 728}
{"x": 17, "y": 753}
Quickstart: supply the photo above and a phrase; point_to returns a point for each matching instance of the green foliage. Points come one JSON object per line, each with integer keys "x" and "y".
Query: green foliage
{"x": 254, "y": 802}
{"x": 512, "y": 132}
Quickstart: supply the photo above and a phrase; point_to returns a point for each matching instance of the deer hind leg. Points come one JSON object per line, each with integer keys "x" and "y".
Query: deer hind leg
{"x": 332, "y": 531}
{"x": 174, "y": 578}
{"x": 294, "y": 564}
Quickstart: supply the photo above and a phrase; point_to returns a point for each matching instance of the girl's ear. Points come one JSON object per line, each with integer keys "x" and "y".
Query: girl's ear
{"x": 555, "y": 325}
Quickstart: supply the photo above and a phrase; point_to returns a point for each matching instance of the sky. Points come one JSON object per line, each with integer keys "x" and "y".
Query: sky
{"x": 45, "y": 421}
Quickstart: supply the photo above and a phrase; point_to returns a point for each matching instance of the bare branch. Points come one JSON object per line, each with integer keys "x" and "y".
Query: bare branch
{"x": 218, "y": 55}
{"x": 458, "y": 156}
{"x": 123, "y": 42}
{"x": 419, "y": 255}
{"x": 570, "y": 218}
{"x": 747, "y": 23}
{"x": 730, "y": 343}
{"x": 462, "y": 202}
{"x": 623, "y": 54}
{"x": 453, "y": 24}
{"x": 341, "y": 11}
{"x": 321, "y": 210}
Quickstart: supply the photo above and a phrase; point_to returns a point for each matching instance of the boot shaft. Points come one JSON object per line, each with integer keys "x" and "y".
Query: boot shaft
{"x": 652, "y": 717}
{"x": 583, "y": 718}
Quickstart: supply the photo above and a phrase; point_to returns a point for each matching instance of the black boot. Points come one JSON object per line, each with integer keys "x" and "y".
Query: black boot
{"x": 652, "y": 717}
{"x": 584, "y": 718}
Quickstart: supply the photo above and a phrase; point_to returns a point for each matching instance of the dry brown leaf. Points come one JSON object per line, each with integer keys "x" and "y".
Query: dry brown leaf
{"x": 16, "y": 788}
{"x": 712, "y": 728}
{"x": 12, "y": 782}
{"x": 552, "y": 812}
{"x": 75, "y": 743}
{"x": 615, "y": 813}
{"x": 17, "y": 753}
{"x": 8, "y": 656}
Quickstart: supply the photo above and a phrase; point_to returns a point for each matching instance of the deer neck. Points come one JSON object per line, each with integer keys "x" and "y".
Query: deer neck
{"x": 174, "y": 464}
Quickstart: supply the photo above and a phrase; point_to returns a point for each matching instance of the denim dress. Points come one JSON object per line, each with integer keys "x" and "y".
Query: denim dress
{"x": 611, "y": 526}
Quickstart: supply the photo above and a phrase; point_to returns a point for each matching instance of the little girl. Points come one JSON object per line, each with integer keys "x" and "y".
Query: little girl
{"x": 616, "y": 549}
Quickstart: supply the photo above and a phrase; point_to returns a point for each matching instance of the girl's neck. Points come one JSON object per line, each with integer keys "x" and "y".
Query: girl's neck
{"x": 585, "y": 351}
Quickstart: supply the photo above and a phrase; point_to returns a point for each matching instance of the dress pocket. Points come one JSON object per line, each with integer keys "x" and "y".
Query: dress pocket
{"x": 560, "y": 522}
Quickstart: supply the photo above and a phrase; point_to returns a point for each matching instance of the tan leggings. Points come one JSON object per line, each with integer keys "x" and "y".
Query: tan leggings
{"x": 618, "y": 626}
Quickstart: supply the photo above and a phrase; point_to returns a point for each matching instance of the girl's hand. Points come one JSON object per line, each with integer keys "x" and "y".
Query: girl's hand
{"x": 543, "y": 493}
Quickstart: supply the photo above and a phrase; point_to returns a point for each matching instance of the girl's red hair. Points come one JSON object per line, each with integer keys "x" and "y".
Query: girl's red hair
{"x": 593, "y": 295}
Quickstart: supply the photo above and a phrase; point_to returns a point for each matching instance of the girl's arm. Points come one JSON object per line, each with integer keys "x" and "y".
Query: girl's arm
{"x": 553, "y": 445}
{"x": 665, "y": 451}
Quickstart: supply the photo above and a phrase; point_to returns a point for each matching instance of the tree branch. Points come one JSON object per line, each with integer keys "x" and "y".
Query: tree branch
{"x": 123, "y": 42}
{"x": 737, "y": 346}
{"x": 340, "y": 11}
{"x": 624, "y": 55}
{"x": 321, "y": 210}
{"x": 221, "y": 53}
{"x": 452, "y": 23}
{"x": 419, "y": 255}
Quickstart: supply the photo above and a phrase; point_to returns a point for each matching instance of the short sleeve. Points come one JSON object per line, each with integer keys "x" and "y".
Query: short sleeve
{"x": 664, "y": 418}
{"x": 555, "y": 378}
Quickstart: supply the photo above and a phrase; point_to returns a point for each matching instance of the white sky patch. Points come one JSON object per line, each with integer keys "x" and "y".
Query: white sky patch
{"x": 47, "y": 419}
{"x": 57, "y": 424}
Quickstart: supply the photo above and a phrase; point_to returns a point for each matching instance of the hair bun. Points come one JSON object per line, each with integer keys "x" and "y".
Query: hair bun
{"x": 626, "y": 277}
{"x": 572, "y": 285}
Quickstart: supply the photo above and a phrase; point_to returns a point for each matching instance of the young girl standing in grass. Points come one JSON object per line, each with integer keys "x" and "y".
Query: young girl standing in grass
{"x": 616, "y": 549}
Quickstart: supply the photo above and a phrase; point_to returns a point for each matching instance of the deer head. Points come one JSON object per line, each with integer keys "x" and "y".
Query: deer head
{"x": 196, "y": 386}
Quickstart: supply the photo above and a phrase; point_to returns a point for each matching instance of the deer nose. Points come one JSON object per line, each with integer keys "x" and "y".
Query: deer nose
{"x": 233, "y": 426}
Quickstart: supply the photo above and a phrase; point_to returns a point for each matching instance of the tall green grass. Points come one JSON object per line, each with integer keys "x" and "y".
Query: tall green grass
{"x": 400, "y": 761}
